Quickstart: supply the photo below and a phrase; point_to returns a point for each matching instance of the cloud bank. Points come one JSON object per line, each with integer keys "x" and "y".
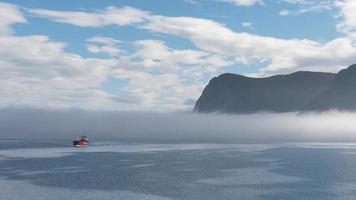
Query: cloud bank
{"x": 178, "y": 127}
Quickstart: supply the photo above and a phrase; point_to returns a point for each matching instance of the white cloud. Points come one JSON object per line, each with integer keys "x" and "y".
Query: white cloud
{"x": 110, "y": 50}
{"x": 156, "y": 55}
{"x": 111, "y": 15}
{"x": 84, "y": 19}
{"x": 347, "y": 14}
{"x": 216, "y": 38}
{"x": 123, "y": 16}
{"x": 243, "y": 2}
{"x": 104, "y": 40}
{"x": 105, "y": 45}
{"x": 308, "y": 6}
{"x": 284, "y": 13}
{"x": 182, "y": 74}
{"x": 159, "y": 92}
{"x": 247, "y": 24}
{"x": 39, "y": 72}
{"x": 9, "y": 14}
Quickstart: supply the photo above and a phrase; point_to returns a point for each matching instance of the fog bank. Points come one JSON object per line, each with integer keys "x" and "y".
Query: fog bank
{"x": 179, "y": 127}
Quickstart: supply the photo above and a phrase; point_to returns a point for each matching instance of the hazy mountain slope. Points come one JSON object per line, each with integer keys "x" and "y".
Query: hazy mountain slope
{"x": 341, "y": 93}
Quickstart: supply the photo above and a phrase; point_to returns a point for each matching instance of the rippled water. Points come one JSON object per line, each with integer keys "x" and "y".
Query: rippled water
{"x": 106, "y": 170}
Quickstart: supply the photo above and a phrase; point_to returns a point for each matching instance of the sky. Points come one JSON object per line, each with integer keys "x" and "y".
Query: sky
{"x": 157, "y": 55}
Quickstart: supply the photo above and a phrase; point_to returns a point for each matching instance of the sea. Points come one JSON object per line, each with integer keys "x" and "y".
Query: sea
{"x": 42, "y": 170}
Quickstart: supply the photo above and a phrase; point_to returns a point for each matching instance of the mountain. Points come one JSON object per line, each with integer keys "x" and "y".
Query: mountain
{"x": 300, "y": 91}
{"x": 341, "y": 94}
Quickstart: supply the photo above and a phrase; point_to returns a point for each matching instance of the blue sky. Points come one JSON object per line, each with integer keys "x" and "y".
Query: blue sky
{"x": 158, "y": 54}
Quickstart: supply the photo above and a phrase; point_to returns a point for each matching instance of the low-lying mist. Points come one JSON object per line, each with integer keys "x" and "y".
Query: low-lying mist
{"x": 330, "y": 126}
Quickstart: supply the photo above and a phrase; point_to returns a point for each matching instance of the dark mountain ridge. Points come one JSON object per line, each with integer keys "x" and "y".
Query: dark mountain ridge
{"x": 299, "y": 91}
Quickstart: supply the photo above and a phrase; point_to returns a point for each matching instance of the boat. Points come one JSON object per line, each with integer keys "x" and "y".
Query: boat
{"x": 82, "y": 141}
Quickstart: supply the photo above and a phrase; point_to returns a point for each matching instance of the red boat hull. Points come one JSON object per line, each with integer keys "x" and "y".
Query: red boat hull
{"x": 80, "y": 143}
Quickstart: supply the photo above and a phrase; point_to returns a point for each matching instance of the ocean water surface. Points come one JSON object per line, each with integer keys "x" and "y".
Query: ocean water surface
{"x": 36, "y": 170}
